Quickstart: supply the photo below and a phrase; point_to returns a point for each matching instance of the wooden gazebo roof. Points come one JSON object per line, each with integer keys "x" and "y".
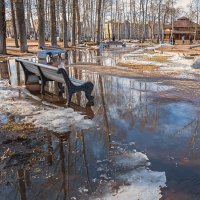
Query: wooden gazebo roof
{"x": 184, "y": 22}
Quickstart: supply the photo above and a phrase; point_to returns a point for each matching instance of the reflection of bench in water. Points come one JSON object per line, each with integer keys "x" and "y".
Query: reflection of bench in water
{"x": 49, "y": 73}
{"x": 112, "y": 43}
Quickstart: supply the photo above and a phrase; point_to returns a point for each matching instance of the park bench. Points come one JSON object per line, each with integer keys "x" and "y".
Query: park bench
{"x": 59, "y": 75}
{"x": 112, "y": 43}
{"x": 51, "y": 51}
{"x": 49, "y": 47}
{"x": 116, "y": 43}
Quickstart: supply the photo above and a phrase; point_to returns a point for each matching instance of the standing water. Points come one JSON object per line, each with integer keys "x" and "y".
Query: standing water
{"x": 140, "y": 140}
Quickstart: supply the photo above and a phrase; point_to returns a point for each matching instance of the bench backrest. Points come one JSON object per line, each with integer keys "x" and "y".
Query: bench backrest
{"x": 48, "y": 72}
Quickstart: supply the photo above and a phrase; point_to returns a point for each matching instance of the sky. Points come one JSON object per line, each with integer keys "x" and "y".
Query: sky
{"x": 183, "y": 3}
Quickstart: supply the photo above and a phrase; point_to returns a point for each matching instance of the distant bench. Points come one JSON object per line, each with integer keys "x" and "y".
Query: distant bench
{"x": 59, "y": 75}
{"x": 49, "y": 47}
{"x": 51, "y": 51}
{"x": 112, "y": 43}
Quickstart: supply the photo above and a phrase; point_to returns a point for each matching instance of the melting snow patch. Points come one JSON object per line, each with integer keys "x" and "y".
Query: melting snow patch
{"x": 132, "y": 160}
{"x": 57, "y": 119}
{"x": 60, "y": 120}
{"x": 144, "y": 185}
{"x": 140, "y": 183}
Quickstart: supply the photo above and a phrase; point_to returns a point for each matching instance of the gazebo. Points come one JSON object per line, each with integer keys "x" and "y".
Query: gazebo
{"x": 183, "y": 26}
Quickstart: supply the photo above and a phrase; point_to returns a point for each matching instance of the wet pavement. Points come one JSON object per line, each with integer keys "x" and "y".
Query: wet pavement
{"x": 130, "y": 115}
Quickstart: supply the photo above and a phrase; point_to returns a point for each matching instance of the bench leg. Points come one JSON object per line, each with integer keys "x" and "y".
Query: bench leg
{"x": 26, "y": 78}
{"x": 61, "y": 88}
{"x": 43, "y": 82}
{"x": 88, "y": 91}
{"x": 69, "y": 98}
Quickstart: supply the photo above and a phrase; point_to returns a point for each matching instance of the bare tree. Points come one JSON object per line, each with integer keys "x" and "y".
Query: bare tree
{"x": 99, "y": 21}
{"x": 14, "y": 23}
{"x": 2, "y": 28}
{"x": 41, "y": 23}
{"x": 78, "y": 21}
{"x": 64, "y": 18}
{"x": 53, "y": 23}
{"x": 73, "y": 22}
{"x": 19, "y": 5}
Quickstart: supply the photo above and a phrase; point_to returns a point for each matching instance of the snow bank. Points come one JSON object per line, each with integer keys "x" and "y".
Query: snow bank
{"x": 58, "y": 119}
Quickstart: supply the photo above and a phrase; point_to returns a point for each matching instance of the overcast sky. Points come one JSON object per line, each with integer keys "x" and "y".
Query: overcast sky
{"x": 183, "y": 3}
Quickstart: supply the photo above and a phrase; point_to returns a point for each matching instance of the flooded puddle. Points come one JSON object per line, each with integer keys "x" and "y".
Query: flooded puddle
{"x": 136, "y": 142}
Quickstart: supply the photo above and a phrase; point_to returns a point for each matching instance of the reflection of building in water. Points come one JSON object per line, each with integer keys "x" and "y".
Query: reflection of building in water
{"x": 4, "y": 70}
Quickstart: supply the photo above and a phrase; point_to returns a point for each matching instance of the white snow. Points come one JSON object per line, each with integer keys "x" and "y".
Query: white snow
{"x": 175, "y": 62}
{"x": 58, "y": 119}
{"x": 144, "y": 185}
{"x": 140, "y": 182}
{"x": 132, "y": 160}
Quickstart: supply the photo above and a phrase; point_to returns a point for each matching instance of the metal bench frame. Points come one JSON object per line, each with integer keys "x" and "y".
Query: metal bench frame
{"x": 58, "y": 75}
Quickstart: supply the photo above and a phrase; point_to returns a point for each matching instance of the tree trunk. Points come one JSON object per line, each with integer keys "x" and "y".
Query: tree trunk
{"x": 19, "y": 5}
{"x": 74, "y": 23}
{"x": 53, "y": 23}
{"x": 79, "y": 22}
{"x": 34, "y": 28}
{"x": 134, "y": 22}
{"x": 28, "y": 18}
{"x": 64, "y": 18}
{"x": 145, "y": 21}
{"x": 159, "y": 21}
{"x": 41, "y": 23}
{"x": 14, "y": 24}
{"x": 99, "y": 22}
{"x": 2, "y": 28}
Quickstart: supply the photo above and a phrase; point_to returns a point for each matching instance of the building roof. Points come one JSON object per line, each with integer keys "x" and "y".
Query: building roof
{"x": 183, "y": 18}
{"x": 184, "y": 22}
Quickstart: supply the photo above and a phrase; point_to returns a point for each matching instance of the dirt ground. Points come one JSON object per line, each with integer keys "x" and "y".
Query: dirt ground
{"x": 186, "y": 49}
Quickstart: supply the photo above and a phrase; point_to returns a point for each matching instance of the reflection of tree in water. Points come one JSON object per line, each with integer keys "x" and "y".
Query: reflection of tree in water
{"x": 4, "y": 73}
{"x": 67, "y": 166}
{"x": 191, "y": 150}
{"x": 105, "y": 116}
{"x": 128, "y": 100}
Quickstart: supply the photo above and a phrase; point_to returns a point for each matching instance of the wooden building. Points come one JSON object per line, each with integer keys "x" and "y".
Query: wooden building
{"x": 183, "y": 26}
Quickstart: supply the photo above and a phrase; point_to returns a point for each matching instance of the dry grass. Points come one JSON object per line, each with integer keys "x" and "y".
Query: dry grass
{"x": 138, "y": 66}
{"x": 3, "y": 59}
{"x": 13, "y": 126}
{"x": 156, "y": 58}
